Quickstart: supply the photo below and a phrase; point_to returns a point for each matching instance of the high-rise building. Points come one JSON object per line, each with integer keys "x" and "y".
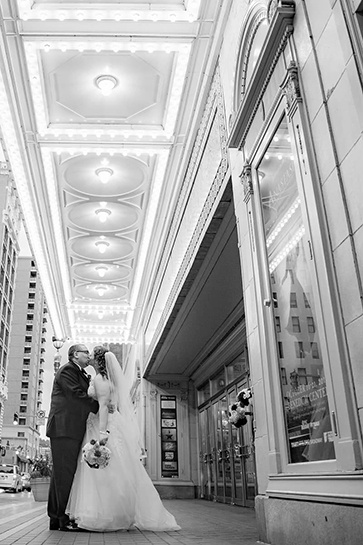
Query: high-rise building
{"x": 25, "y": 366}
{"x": 9, "y": 251}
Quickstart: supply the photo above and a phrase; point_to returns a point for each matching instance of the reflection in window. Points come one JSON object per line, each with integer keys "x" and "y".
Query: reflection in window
{"x": 295, "y": 324}
{"x": 310, "y": 322}
{"x": 299, "y": 349}
{"x": 314, "y": 350}
{"x": 278, "y": 324}
{"x": 306, "y": 407}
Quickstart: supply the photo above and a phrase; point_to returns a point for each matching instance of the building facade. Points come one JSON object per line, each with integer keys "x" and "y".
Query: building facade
{"x": 22, "y": 414}
{"x": 266, "y": 237}
{"x": 9, "y": 232}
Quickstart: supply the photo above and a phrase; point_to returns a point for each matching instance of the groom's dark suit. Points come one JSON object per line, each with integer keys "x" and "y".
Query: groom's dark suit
{"x": 70, "y": 407}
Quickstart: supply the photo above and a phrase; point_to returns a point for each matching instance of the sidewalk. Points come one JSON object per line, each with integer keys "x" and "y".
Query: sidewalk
{"x": 202, "y": 523}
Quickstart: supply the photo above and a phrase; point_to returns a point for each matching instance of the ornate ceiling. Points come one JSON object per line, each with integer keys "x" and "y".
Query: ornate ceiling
{"x": 96, "y": 106}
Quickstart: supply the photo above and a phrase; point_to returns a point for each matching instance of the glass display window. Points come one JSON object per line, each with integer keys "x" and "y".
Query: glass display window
{"x": 298, "y": 331}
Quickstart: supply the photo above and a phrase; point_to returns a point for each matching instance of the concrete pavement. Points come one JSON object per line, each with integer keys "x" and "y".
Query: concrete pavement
{"x": 202, "y": 523}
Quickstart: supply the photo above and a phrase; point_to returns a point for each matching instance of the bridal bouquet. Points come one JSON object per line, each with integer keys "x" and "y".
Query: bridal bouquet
{"x": 96, "y": 454}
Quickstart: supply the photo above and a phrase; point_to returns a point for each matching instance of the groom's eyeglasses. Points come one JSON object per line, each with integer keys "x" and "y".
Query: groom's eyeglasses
{"x": 84, "y": 351}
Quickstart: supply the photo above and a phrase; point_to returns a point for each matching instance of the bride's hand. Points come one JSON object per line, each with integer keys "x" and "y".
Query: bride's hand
{"x": 103, "y": 437}
{"x": 111, "y": 408}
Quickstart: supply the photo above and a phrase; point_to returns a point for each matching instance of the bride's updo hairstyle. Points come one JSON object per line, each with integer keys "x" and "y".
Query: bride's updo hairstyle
{"x": 99, "y": 355}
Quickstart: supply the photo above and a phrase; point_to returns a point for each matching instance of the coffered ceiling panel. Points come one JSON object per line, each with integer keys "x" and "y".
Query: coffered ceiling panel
{"x": 97, "y": 101}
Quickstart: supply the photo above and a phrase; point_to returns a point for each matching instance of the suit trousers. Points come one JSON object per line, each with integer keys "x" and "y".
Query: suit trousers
{"x": 65, "y": 451}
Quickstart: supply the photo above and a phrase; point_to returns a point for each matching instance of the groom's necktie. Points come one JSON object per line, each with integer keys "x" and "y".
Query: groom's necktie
{"x": 86, "y": 375}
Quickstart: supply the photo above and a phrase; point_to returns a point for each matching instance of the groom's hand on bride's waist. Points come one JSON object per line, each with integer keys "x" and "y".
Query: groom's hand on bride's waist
{"x": 111, "y": 408}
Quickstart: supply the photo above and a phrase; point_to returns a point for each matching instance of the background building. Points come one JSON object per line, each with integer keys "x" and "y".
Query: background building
{"x": 25, "y": 367}
{"x": 10, "y": 226}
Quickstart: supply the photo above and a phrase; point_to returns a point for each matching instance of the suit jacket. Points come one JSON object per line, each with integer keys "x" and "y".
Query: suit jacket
{"x": 70, "y": 404}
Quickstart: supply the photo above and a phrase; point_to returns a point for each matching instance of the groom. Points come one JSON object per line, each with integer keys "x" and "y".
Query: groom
{"x": 70, "y": 407}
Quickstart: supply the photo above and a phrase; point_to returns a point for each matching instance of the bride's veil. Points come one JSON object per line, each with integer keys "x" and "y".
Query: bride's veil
{"x": 124, "y": 405}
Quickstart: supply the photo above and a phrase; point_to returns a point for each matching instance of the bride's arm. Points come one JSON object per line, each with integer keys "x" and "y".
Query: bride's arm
{"x": 102, "y": 387}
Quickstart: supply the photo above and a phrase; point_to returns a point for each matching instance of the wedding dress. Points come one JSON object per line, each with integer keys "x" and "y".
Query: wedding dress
{"x": 122, "y": 494}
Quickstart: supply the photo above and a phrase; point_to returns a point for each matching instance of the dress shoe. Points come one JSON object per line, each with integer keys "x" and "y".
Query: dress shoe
{"x": 70, "y": 527}
{"x": 53, "y": 524}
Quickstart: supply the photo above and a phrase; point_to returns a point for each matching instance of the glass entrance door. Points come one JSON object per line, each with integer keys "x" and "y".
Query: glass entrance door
{"x": 207, "y": 454}
{"x": 227, "y": 461}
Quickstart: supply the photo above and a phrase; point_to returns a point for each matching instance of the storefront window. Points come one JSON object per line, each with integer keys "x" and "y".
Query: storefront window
{"x": 303, "y": 382}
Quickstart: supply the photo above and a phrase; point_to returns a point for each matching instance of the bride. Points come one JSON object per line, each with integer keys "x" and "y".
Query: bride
{"x": 122, "y": 494}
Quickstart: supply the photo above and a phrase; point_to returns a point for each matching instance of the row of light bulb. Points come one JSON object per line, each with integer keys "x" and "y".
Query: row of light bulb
{"x": 287, "y": 249}
{"x": 190, "y": 15}
{"x": 283, "y": 222}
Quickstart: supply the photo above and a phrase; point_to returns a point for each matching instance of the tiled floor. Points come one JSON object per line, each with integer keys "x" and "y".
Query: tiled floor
{"x": 202, "y": 523}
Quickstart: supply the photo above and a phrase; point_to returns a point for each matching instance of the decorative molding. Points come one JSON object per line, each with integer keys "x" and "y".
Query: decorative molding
{"x": 281, "y": 27}
{"x": 246, "y": 180}
{"x": 153, "y": 394}
{"x": 214, "y": 106}
{"x": 291, "y": 89}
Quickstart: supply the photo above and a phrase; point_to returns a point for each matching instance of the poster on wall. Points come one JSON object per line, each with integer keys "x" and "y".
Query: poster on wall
{"x": 169, "y": 446}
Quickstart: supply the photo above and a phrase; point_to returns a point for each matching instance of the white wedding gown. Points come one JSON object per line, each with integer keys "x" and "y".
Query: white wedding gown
{"x": 120, "y": 495}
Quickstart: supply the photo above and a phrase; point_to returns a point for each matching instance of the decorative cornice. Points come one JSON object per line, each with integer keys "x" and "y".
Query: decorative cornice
{"x": 276, "y": 39}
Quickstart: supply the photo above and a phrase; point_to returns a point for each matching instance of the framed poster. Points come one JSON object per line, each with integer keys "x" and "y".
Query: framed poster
{"x": 169, "y": 444}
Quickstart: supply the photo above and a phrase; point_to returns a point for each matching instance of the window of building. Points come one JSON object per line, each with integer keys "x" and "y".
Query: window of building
{"x": 283, "y": 375}
{"x": 22, "y": 421}
{"x": 22, "y": 409}
{"x": 21, "y": 434}
{"x": 306, "y": 300}
{"x": 23, "y": 397}
{"x": 24, "y": 385}
{"x": 30, "y": 317}
{"x": 314, "y": 350}
{"x": 32, "y": 285}
{"x": 26, "y": 361}
{"x": 33, "y": 274}
{"x": 27, "y": 349}
{"x": 31, "y": 295}
{"x": 30, "y": 306}
{"x": 295, "y": 321}
{"x": 311, "y": 325}
{"x": 299, "y": 349}
{"x": 29, "y": 328}
{"x": 25, "y": 373}
{"x": 278, "y": 324}
{"x": 293, "y": 300}
{"x": 28, "y": 338}
{"x": 281, "y": 349}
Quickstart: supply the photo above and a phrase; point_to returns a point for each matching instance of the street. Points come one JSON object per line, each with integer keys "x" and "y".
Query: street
{"x": 11, "y": 503}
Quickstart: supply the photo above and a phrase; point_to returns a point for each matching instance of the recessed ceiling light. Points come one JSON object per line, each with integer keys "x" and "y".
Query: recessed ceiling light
{"x": 104, "y": 174}
{"x": 106, "y": 84}
{"x": 102, "y": 246}
{"x": 102, "y": 214}
{"x": 101, "y": 290}
{"x": 101, "y": 270}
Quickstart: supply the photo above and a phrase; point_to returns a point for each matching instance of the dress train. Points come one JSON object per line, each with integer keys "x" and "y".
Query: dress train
{"x": 120, "y": 495}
